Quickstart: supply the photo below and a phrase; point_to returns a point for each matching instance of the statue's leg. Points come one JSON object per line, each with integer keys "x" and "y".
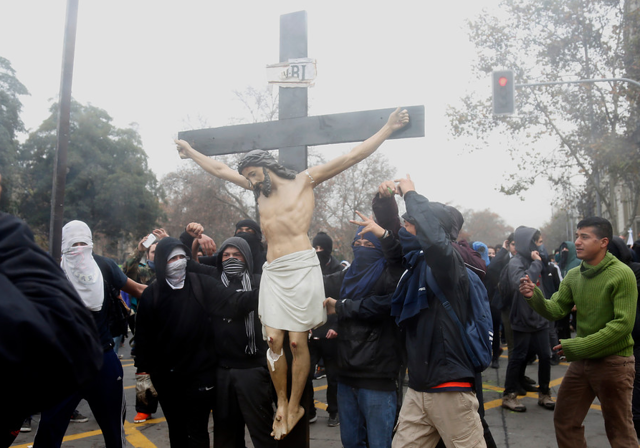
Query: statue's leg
{"x": 277, "y": 364}
{"x": 299, "y": 373}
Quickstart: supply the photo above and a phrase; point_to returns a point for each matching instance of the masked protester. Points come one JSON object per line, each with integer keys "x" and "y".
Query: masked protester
{"x": 249, "y": 230}
{"x": 530, "y": 330}
{"x": 243, "y": 385}
{"x": 369, "y": 351}
{"x": 175, "y": 340}
{"x": 93, "y": 277}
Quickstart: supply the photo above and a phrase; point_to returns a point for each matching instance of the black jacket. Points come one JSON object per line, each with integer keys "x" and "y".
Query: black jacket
{"x": 174, "y": 328}
{"x": 233, "y": 352}
{"x": 523, "y": 317}
{"x": 369, "y": 351}
{"x": 435, "y": 353}
{"x": 50, "y": 344}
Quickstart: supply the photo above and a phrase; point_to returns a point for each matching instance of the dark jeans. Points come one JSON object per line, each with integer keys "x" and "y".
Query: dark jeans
{"x": 105, "y": 396}
{"x": 366, "y": 414}
{"x": 539, "y": 343}
{"x": 495, "y": 317}
{"x": 244, "y": 396}
{"x": 187, "y": 407}
{"x": 327, "y": 349}
{"x": 611, "y": 380}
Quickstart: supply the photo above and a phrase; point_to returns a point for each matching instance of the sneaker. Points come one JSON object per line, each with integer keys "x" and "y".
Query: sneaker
{"x": 546, "y": 402}
{"x": 141, "y": 417}
{"x": 511, "y": 402}
{"x": 77, "y": 417}
{"x": 320, "y": 373}
{"x": 313, "y": 419}
{"x": 26, "y": 425}
{"x": 334, "y": 420}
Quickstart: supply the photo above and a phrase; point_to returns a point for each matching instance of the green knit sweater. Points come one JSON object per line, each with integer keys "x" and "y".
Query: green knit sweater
{"x": 605, "y": 297}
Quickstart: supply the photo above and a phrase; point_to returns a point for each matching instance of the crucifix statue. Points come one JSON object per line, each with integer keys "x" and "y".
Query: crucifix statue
{"x": 291, "y": 291}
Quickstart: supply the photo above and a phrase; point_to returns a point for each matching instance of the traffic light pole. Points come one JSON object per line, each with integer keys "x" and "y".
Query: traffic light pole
{"x": 578, "y": 81}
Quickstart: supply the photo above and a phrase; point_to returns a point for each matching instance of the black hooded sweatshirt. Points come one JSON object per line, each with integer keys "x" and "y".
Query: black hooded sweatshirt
{"x": 174, "y": 328}
{"x": 234, "y": 353}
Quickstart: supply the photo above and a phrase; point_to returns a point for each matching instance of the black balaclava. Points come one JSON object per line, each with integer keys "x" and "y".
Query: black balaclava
{"x": 326, "y": 243}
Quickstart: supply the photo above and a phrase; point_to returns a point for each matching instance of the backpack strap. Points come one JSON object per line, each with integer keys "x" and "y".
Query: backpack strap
{"x": 431, "y": 281}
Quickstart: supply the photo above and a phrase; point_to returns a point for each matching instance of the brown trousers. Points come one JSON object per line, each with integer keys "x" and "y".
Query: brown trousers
{"x": 611, "y": 380}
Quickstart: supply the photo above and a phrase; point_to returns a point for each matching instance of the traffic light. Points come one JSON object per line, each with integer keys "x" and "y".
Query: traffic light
{"x": 503, "y": 92}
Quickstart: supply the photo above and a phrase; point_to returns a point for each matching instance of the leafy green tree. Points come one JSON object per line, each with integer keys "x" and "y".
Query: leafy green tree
{"x": 10, "y": 125}
{"x": 109, "y": 185}
{"x": 569, "y": 135}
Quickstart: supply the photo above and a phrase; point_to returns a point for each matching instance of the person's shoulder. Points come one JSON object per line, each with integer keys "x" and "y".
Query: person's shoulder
{"x": 110, "y": 271}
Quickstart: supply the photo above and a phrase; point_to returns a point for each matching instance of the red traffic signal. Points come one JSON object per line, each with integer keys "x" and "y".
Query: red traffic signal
{"x": 503, "y": 92}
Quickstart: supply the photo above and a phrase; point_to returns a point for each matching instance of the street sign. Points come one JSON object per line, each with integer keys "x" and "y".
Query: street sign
{"x": 300, "y": 72}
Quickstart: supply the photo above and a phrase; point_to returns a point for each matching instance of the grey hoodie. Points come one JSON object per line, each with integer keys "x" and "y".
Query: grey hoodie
{"x": 523, "y": 317}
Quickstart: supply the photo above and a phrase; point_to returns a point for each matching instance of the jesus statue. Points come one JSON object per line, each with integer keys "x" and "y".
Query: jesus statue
{"x": 291, "y": 291}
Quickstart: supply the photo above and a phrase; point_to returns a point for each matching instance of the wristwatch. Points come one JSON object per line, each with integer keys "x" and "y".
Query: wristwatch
{"x": 385, "y": 235}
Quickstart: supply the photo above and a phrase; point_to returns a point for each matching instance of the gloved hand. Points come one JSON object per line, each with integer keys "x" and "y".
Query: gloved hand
{"x": 144, "y": 387}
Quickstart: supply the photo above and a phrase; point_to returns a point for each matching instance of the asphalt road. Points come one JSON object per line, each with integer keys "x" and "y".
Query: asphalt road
{"x": 531, "y": 429}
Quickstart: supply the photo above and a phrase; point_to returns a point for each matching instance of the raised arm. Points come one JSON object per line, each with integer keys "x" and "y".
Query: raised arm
{"x": 212, "y": 166}
{"x": 397, "y": 120}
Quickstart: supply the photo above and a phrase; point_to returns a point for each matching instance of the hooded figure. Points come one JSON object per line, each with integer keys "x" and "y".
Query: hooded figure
{"x": 175, "y": 312}
{"x": 483, "y": 250}
{"x": 328, "y": 263}
{"x": 568, "y": 258}
{"x": 255, "y": 243}
{"x": 530, "y": 329}
{"x": 242, "y": 381}
{"x": 240, "y": 274}
{"x": 93, "y": 277}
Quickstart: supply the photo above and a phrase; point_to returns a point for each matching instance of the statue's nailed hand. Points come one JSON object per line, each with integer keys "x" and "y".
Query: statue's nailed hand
{"x": 398, "y": 119}
{"x": 184, "y": 148}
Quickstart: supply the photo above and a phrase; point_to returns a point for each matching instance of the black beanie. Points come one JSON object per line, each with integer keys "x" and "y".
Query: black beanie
{"x": 323, "y": 240}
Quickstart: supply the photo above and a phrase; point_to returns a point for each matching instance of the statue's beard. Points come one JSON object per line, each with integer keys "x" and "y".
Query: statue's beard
{"x": 264, "y": 186}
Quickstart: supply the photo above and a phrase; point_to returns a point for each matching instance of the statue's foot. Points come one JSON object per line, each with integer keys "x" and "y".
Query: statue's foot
{"x": 294, "y": 416}
{"x": 280, "y": 425}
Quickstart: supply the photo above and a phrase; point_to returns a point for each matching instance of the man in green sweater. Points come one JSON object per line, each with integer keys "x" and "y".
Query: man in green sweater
{"x": 602, "y": 363}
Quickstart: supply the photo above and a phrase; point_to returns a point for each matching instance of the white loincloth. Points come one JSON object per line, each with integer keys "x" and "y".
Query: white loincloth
{"x": 292, "y": 293}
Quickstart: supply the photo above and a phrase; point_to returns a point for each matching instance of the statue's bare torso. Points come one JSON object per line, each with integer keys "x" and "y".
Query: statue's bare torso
{"x": 285, "y": 216}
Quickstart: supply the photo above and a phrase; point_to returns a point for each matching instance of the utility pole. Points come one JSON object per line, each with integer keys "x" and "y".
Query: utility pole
{"x": 64, "y": 114}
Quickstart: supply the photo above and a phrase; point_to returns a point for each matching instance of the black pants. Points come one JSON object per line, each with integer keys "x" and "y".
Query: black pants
{"x": 243, "y": 396}
{"x": 327, "y": 349}
{"x": 539, "y": 343}
{"x": 186, "y": 406}
{"x": 635, "y": 402}
{"x": 496, "y": 319}
{"x": 105, "y": 396}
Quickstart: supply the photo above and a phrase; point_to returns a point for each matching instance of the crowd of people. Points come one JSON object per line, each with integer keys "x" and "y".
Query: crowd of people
{"x": 238, "y": 329}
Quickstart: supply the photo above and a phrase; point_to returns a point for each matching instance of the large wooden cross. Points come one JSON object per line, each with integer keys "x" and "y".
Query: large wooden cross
{"x": 294, "y": 131}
